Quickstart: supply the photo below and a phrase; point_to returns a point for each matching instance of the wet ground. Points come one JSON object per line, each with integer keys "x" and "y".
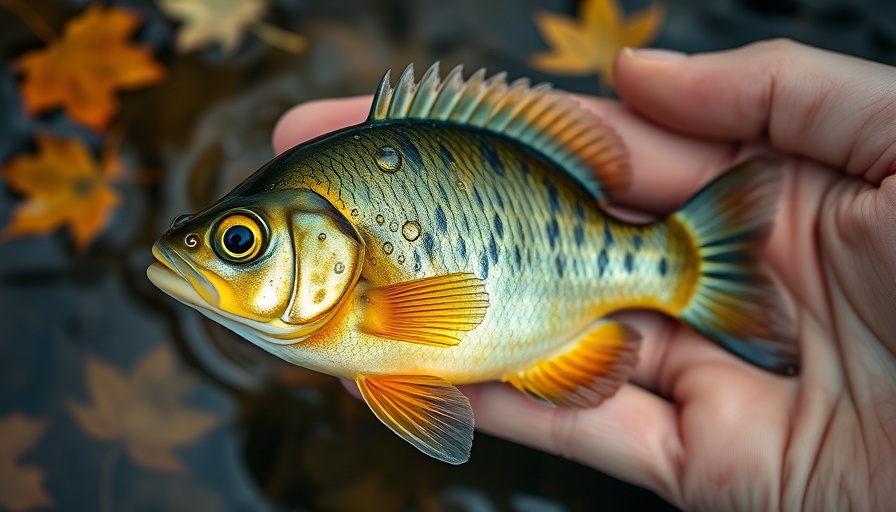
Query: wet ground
{"x": 126, "y": 400}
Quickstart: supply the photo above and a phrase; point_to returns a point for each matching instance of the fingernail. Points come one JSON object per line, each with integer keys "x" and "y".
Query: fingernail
{"x": 654, "y": 53}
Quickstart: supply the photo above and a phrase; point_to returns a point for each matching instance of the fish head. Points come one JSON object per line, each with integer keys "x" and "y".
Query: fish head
{"x": 274, "y": 267}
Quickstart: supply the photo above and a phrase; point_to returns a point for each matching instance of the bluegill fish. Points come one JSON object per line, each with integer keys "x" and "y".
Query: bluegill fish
{"x": 456, "y": 237}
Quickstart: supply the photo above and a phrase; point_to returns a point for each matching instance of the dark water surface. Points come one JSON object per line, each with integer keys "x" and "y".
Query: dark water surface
{"x": 138, "y": 403}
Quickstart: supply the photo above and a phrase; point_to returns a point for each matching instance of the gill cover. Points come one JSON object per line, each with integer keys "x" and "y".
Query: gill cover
{"x": 328, "y": 253}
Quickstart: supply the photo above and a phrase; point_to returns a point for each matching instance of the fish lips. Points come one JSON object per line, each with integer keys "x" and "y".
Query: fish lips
{"x": 176, "y": 276}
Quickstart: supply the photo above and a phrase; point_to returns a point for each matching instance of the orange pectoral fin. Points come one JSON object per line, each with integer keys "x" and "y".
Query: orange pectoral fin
{"x": 425, "y": 411}
{"x": 586, "y": 375}
{"x": 432, "y": 311}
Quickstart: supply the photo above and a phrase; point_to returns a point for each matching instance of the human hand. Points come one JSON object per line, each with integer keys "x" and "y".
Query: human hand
{"x": 697, "y": 425}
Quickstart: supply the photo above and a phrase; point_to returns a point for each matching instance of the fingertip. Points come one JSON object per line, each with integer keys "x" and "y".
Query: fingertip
{"x": 308, "y": 120}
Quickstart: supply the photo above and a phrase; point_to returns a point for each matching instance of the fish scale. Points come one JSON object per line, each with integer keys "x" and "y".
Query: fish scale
{"x": 456, "y": 237}
{"x": 553, "y": 305}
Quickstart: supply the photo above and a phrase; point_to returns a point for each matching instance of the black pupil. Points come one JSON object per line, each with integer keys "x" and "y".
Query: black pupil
{"x": 238, "y": 239}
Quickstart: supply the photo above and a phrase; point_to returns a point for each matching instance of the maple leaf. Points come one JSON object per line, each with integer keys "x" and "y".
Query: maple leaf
{"x": 589, "y": 45}
{"x": 223, "y": 22}
{"x": 21, "y": 487}
{"x": 82, "y": 70}
{"x": 143, "y": 410}
{"x": 64, "y": 185}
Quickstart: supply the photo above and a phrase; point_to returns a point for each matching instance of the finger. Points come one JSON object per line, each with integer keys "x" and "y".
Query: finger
{"x": 308, "y": 120}
{"x": 632, "y": 436}
{"x": 833, "y": 108}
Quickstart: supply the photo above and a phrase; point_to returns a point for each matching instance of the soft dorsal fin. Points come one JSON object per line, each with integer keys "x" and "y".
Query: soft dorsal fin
{"x": 547, "y": 120}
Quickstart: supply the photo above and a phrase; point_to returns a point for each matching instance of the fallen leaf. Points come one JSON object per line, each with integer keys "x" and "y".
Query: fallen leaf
{"x": 64, "y": 185}
{"x": 82, "y": 70}
{"x": 589, "y": 45}
{"x": 143, "y": 411}
{"x": 21, "y": 487}
{"x": 224, "y": 22}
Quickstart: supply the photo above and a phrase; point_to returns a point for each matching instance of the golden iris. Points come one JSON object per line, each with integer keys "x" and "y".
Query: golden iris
{"x": 239, "y": 237}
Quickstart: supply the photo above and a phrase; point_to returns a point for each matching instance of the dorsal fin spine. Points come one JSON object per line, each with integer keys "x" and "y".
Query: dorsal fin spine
{"x": 450, "y": 94}
{"x": 428, "y": 91}
{"x": 537, "y": 116}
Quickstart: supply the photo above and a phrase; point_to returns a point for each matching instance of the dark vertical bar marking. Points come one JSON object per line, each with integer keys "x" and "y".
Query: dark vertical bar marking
{"x": 429, "y": 244}
{"x": 441, "y": 221}
{"x": 553, "y": 231}
{"x": 663, "y": 268}
{"x": 408, "y": 149}
{"x": 483, "y": 265}
{"x": 493, "y": 249}
{"x": 491, "y": 156}
{"x": 560, "y": 262}
{"x": 602, "y": 261}
{"x": 462, "y": 248}
{"x": 629, "y": 262}
{"x": 553, "y": 197}
{"x": 499, "y": 226}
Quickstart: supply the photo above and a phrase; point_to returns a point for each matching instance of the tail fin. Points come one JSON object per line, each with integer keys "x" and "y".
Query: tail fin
{"x": 734, "y": 302}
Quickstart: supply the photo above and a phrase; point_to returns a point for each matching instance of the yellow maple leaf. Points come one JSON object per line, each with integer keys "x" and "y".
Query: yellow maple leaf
{"x": 64, "y": 185}
{"x": 82, "y": 70}
{"x": 21, "y": 487}
{"x": 143, "y": 410}
{"x": 224, "y": 22}
{"x": 589, "y": 45}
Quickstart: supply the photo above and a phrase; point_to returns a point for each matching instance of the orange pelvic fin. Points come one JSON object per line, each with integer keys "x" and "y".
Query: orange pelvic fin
{"x": 432, "y": 311}
{"x": 425, "y": 411}
{"x": 586, "y": 375}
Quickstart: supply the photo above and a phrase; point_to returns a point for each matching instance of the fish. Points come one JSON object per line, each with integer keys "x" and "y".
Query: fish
{"x": 458, "y": 236}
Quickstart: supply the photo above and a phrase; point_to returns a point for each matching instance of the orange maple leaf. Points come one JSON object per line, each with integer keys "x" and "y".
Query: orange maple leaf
{"x": 143, "y": 410}
{"x": 64, "y": 185}
{"x": 589, "y": 45}
{"x": 21, "y": 487}
{"x": 82, "y": 70}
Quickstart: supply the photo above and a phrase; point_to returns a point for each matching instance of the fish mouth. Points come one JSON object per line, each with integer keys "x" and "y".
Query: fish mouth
{"x": 176, "y": 276}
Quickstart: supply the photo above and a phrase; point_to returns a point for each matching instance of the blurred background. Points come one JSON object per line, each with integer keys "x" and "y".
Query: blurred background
{"x": 117, "y": 116}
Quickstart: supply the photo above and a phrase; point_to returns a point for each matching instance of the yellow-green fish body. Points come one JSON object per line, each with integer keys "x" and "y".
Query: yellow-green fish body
{"x": 456, "y": 237}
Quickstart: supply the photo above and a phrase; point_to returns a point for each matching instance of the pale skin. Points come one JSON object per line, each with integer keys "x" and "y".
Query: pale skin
{"x": 697, "y": 425}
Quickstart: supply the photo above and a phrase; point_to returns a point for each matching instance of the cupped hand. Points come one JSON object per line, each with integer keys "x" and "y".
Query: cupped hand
{"x": 697, "y": 425}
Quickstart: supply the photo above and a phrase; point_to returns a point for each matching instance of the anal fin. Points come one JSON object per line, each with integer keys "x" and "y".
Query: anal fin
{"x": 587, "y": 374}
{"x": 432, "y": 311}
{"x": 426, "y": 411}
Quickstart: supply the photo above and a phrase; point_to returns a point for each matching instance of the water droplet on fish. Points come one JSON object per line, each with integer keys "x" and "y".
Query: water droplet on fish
{"x": 322, "y": 237}
{"x": 387, "y": 159}
{"x": 410, "y": 230}
{"x": 461, "y": 186}
{"x": 339, "y": 267}
{"x": 372, "y": 262}
{"x": 380, "y": 220}
{"x": 357, "y": 137}
{"x": 387, "y": 248}
{"x": 354, "y": 212}
{"x": 393, "y": 226}
{"x": 401, "y": 259}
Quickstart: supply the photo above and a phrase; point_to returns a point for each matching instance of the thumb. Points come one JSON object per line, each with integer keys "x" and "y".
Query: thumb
{"x": 829, "y": 107}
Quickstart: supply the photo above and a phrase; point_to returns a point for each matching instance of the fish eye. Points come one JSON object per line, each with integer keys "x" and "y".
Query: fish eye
{"x": 239, "y": 237}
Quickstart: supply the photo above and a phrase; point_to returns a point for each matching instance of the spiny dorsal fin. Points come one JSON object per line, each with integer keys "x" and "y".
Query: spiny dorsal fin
{"x": 538, "y": 116}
